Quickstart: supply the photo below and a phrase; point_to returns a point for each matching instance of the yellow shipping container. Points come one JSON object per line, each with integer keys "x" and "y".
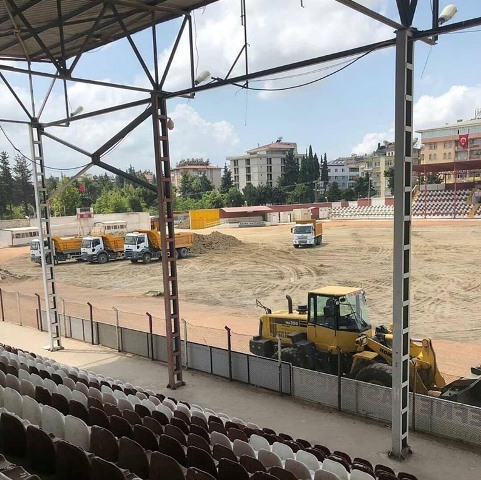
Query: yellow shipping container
{"x": 209, "y": 217}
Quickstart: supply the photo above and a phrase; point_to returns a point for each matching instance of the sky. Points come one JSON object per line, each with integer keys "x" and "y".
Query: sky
{"x": 348, "y": 112}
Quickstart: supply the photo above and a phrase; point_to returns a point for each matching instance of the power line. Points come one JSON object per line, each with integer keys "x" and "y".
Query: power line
{"x": 33, "y": 161}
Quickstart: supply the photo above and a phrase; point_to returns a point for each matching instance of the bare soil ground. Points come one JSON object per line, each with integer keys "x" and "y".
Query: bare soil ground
{"x": 219, "y": 284}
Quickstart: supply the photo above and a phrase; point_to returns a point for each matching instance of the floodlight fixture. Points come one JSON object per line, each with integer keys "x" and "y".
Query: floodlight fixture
{"x": 447, "y": 13}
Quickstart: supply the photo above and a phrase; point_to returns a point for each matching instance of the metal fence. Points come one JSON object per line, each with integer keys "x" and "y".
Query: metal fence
{"x": 219, "y": 352}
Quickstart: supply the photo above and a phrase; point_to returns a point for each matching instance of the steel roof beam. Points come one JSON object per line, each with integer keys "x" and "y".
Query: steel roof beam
{"x": 371, "y": 13}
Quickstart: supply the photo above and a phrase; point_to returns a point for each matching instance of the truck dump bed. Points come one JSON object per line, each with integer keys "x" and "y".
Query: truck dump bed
{"x": 67, "y": 244}
{"x": 182, "y": 239}
{"x": 113, "y": 243}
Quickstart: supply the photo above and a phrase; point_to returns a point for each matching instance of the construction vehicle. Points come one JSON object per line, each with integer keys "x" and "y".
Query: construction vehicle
{"x": 332, "y": 334}
{"x": 64, "y": 248}
{"x": 102, "y": 248}
{"x": 145, "y": 245}
{"x": 307, "y": 233}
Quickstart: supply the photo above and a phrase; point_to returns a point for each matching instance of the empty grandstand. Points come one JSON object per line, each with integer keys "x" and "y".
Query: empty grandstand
{"x": 356, "y": 211}
{"x": 442, "y": 204}
{"x": 70, "y": 423}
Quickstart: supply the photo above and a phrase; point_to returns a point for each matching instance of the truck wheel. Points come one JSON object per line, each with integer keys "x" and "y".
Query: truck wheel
{"x": 134, "y": 260}
{"x": 147, "y": 257}
{"x": 103, "y": 258}
{"x": 296, "y": 246}
{"x": 183, "y": 252}
{"x": 377, "y": 373}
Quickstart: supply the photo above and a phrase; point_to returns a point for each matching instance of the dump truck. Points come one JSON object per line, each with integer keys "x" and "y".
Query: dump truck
{"x": 332, "y": 333}
{"x": 307, "y": 233}
{"x": 145, "y": 245}
{"x": 64, "y": 248}
{"x": 102, "y": 248}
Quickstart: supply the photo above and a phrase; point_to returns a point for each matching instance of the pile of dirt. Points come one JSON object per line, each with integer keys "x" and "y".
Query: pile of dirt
{"x": 5, "y": 276}
{"x": 215, "y": 241}
{"x": 184, "y": 224}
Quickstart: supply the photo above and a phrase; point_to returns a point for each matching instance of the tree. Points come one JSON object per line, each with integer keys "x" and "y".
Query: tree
{"x": 212, "y": 199}
{"x": 250, "y": 194}
{"x": 233, "y": 198}
{"x": 389, "y": 174}
{"x": 226, "y": 182}
{"x": 186, "y": 185}
{"x": 290, "y": 177}
{"x": 362, "y": 186}
{"x": 302, "y": 193}
{"x": 67, "y": 201}
{"x": 6, "y": 185}
{"x": 23, "y": 193}
{"x": 112, "y": 201}
{"x": 349, "y": 194}
{"x": 325, "y": 173}
{"x": 334, "y": 193}
{"x": 201, "y": 185}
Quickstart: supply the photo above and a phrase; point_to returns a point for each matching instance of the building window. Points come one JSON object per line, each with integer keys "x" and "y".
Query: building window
{"x": 248, "y": 170}
{"x": 445, "y": 156}
{"x": 430, "y": 157}
{"x": 248, "y": 178}
{"x": 269, "y": 168}
{"x": 434, "y": 156}
{"x": 248, "y": 162}
{"x": 236, "y": 163}
{"x": 269, "y": 161}
{"x": 282, "y": 168}
{"x": 449, "y": 156}
{"x": 335, "y": 170}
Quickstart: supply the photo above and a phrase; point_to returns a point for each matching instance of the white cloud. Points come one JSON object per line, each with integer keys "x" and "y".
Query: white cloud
{"x": 458, "y": 102}
{"x": 279, "y": 32}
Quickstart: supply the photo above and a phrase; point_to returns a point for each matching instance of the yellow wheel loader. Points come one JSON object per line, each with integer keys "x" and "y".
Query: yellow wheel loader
{"x": 334, "y": 327}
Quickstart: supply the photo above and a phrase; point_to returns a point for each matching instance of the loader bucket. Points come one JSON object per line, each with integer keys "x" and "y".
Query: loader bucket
{"x": 465, "y": 390}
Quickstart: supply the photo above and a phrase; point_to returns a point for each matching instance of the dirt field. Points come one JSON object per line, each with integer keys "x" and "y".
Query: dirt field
{"x": 219, "y": 287}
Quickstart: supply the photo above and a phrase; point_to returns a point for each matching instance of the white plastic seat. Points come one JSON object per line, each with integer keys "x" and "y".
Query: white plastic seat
{"x": 12, "y": 401}
{"x": 96, "y": 393}
{"x": 217, "y": 437}
{"x": 50, "y": 385}
{"x": 284, "y": 451}
{"x": 109, "y": 398}
{"x": 147, "y": 403}
{"x": 124, "y": 404}
{"x": 65, "y": 391}
{"x": 237, "y": 420}
{"x": 81, "y": 387}
{"x": 23, "y": 375}
{"x": 360, "y": 475}
{"x": 3, "y": 379}
{"x": 32, "y": 411}
{"x": 68, "y": 382}
{"x": 119, "y": 394}
{"x": 77, "y": 432}
{"x": 165, "y": 410}
{"x": 259, "y": 442}
{"x": 335, "y": 467}
{"x": 37, "y": 380}
{"x": 269, "y": 459}
{"x": 243, "y": 448}
{"x": 323, "y": 475}
{"x": 13, "y": 382}
{"x": 197, "y": 413}
{"x": 27, "y": 388}
{"x": 224, "y": 417}
{"x": 79, "y": 397}
{"x": 298, "y": 469}
{"x": 53, "y": 421}
{"x": 133, "y": 399}
{"x": 308, "y": 459}
{"x": 141, "y": 396}
{"x": 106, "y": 389}
{"x": 194, "y": 406}
{"x": 154, "y": 400}
{"x": 169, "y": 403}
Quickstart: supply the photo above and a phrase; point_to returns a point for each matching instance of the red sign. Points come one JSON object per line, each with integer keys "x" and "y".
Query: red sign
{"x": 463, "y": 140}
{"x": 82, "y": 188}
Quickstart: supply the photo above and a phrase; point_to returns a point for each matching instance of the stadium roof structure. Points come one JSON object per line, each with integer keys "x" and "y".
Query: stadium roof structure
{"x": 448, "y": 167}
{"x": 50, "y": 30}
{"x": 58, "y": 32}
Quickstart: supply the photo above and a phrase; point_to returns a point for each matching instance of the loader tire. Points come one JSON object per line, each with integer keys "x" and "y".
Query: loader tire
{"x": 377, "y": 373}
{"x": 291, "y": 355}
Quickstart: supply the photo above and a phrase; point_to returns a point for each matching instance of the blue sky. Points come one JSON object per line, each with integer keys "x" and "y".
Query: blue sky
{"x": 348, "y": 113}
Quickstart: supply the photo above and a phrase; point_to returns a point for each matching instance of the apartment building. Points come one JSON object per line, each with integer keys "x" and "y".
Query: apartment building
{"x": 442, "y": 144}
{"x": 212, "y": 172}
{"x": 262, "y": 165}
{"x": 345, "y": 171}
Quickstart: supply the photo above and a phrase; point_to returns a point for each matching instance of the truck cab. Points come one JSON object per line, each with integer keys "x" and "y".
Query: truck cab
{"x": 91, "y": 247}
{"x": 137, "y": 247}
{"x": 35, "y": 252}
{"x": 307, "y": 233}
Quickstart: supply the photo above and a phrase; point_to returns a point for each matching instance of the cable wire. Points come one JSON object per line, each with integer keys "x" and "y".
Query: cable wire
{"x": 33, "y": 161}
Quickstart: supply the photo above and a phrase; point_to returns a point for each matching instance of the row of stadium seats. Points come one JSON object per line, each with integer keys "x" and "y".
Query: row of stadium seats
{"x": 80, "y": 425}
{"x": 446, "y": 203}
{"x": 373, "y": 211}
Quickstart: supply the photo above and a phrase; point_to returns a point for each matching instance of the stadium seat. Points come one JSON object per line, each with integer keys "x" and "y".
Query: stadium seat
{"x": 72, "y": 462}
{"x": 120, "y": 427}
{"x": 32, "y": 411}
{"x": 231, "y": 470}
{"x": 40, "y": 450}
{"x": 198, "y": 458}
{"x": 104, "y": 444}
{"x": 171, "y": 447}
{"x": 13, "y": 436}
{"x": 133, "y": 457}
{"x": 145, "y": 437}
{"x": 282, "y": 474}
{"x": 269, "y": 459}
{"x": 163, "y": 466}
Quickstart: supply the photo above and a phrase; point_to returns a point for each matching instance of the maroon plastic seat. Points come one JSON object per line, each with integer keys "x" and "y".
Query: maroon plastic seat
{"x": 200, "y": 422}
{"x": 60, "y": 403}
{"x": 41, "y": 451}
{"x": 103, "y": 443}
{"x": 194, "y": 440}
{"x": 95, "y": 402}
{"x": 163, "y": 466}
{"x": 198, "y": 458}
{"x": 282, "y": 474}
{"x": 176, "y": 433}
{"x": 236, "y": 433}
{"x": 221, "y": 451}
{"x": 153, "y": 424}
{"x": 183, "y": 416}
{"x": 160, "y": 417}
{"x": 142, "y": 410}
{"x": 101, "y": 469}
{"x": 120, "y": 427}
{"x": 133, "y": 457}
{"x": 217, "y": 427}
{"x": 13, "y": 436}
{"x": 229, "y": 470}
{"x": 198, "y": 430}
{"x": 179, "y": 423}
{"x": 79, "y": 410}
{"x": 43, "y": 396}
{"x": 110, "y": 410}
{"x": 171, "y": 447}
{"x": 98, "y": 417}
{"x": 145, "y": 437}
{"x": 196, "y": 474}
{"x": 251, "y": 464}
{"x": 132, "y": 417}
{"x": 72, "y": 462}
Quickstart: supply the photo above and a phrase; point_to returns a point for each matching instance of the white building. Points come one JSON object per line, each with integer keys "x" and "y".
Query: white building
{"x": 213, "y": 173}
{"x": 261, "y": 165}
{"x": 345, "y": 171}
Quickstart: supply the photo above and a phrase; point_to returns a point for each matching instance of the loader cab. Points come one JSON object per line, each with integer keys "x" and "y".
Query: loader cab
{"x": 337, "y": 316}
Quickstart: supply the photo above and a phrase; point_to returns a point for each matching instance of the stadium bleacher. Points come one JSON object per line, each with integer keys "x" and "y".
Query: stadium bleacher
{"x": 442, "y": 204}
{"x": 372, "y": 211}
{"x": 74, "y": 424}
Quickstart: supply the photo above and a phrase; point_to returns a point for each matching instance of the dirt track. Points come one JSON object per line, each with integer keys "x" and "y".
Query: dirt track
{"x": 220, "y": 287}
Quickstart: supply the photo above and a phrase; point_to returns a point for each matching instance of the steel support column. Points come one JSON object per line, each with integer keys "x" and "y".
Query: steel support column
{"x": 402, "y": 241}
{"x": 167, "y": 235}
{"x": 45, "y": 237}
